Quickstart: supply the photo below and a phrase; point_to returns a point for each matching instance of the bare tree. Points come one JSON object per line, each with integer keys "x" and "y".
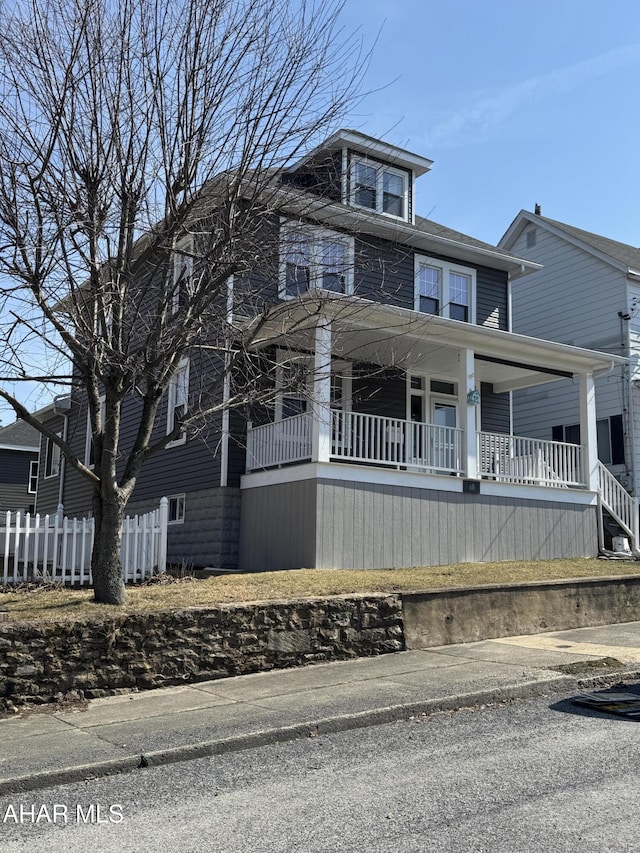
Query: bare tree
{"x": 138, "y": 145}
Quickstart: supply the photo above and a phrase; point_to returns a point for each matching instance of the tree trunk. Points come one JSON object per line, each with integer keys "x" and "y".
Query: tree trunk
{"x": 108, "y": 586}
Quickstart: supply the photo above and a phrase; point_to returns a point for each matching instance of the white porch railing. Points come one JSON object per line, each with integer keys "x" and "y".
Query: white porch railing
{"x": 359, "y": 438}
{"x": 55, "y": 548}
{"x": 373, "y": 439}
{"x": 530, "y": 460}
{"x": 391, "y": 441}
{"x": 288, "y": 440}
{"x": 619, "y": 504}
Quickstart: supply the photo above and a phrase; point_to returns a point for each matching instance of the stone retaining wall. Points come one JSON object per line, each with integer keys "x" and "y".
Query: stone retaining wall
{"x": 93, "y": 658}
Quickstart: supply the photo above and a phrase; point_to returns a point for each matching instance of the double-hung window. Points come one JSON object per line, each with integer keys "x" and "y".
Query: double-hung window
{"x": 379, "y": 188}
{"x": 178, "y": 399}
{"x": 314, "y": 258}
{"x": 445, "y": 289}
{"x": 52, "y": 459}
{"x": 33, "y": 477}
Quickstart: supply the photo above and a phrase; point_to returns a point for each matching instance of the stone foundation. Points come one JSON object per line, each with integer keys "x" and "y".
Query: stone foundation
{"x": 97, "y": 657}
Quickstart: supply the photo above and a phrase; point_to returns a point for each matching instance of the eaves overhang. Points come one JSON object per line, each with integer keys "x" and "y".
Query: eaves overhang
{"x": 368, "y": 145}
{"x": 403, "y": 337}
{"x": 337, "y": 215}
{"x": 525, "y": 218}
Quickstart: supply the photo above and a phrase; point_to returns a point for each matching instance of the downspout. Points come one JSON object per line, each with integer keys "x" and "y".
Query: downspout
{"x": 627, "y": 398}
{"x": 61, "y": 406}
{"x": 226, "y": 391}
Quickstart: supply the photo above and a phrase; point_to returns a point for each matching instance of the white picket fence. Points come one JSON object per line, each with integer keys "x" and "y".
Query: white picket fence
{"x": 58, "y": 549}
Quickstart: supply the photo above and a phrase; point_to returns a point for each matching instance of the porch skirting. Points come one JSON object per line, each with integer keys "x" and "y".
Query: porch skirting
{"x": 349, "y": 523}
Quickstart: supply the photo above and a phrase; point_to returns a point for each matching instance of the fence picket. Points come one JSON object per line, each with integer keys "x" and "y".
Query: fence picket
{"x": 58, "y": 548}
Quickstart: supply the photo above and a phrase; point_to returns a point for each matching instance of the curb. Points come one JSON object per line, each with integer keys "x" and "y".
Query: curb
{"x": 326, "y": 725}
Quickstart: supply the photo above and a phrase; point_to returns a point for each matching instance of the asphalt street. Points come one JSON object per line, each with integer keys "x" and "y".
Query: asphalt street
{"x": 529, "y": 776}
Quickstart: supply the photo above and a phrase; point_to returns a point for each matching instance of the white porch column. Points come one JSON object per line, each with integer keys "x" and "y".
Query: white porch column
{"x": 588, "y": 433}
{"x": 467, "y": 383}
{"x": 321, "y": 402}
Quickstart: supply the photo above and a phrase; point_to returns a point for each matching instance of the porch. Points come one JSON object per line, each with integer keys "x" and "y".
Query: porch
{"x": 421, "y": 447}
{"x": 397, "y": 448}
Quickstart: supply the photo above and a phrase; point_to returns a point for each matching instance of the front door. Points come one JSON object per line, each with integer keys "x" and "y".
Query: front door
{"x": 443, "y": 445}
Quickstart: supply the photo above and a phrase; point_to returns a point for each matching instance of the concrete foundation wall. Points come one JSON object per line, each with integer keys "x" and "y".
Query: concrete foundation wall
{"x": 209, "y": 534}
{"x": 443, "y": 617}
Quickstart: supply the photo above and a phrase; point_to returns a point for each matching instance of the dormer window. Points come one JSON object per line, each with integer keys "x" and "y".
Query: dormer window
{"x": 379, "y": 188}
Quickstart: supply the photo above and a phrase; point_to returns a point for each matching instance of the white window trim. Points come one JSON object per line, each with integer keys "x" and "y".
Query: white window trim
{"x": 182, "y": 252}
{"x": 180, "y": 500}
{"x": 33, "y": 466}
{"x": 446, "y": 268}
{"x": 429, "y": 396}
{"x": 87, "y": 441}
{"x": 316, "y": 235}
{"x": 171, "y": 395}
{"x": 380, "y": 168}
{"x": 56, "y": 454}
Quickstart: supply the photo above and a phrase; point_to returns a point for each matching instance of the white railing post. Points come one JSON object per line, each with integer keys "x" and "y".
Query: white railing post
{"x": 7, "y": 534}
{"x": 162, "y": 532}
{"x": 588, "y": 432}
{"x": 467, "y": 380}
{"x": 321, "y": 402}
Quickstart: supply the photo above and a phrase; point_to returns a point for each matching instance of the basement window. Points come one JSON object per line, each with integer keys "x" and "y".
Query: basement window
{"x": 176, "y": 509}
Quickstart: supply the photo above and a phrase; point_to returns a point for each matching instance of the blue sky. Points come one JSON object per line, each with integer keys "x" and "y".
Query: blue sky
{"x": 516, "y": 103}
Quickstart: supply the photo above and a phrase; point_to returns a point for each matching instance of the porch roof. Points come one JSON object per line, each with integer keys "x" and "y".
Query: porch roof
{"x": 390, "y": 336}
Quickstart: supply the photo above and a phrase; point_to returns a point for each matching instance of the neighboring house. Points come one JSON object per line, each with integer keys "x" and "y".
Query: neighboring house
{"x": 396, "y": 448}
{"x": 18, "y": 467}
{"x": 588, "y": 294}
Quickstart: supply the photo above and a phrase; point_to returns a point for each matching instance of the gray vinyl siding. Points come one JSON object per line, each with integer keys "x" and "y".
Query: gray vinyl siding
{"x": 495, "y": 410}
{"x": 384, "y": 271}
{"x": 357, "y": 525}
{"x": 321, "y": 175}
{"x": 14, "y": 480}
{"x": 574, "y": 299}
{"x": 379, "y": 392}
{"x": 492, "y": 298}
{"x": 259, "y": 287}
{"x": 278, "y": 527}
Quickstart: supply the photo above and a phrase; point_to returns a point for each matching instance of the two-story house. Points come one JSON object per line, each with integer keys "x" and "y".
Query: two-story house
{"x": 389, "y": 441}
{"x": 586, "y": 293}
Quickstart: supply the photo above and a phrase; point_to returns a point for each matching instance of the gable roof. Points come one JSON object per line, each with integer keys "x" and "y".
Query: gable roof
{"x": 369, "y": 145}
{"x": 19, "y": 436}
{"x": 621, "y": 255}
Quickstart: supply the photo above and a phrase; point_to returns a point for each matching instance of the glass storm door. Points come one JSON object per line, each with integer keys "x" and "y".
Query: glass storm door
{"x": 443, "y": 442}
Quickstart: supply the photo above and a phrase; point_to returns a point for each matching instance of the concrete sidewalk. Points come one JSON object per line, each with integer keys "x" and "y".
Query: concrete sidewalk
{"x": 124, "y": 732}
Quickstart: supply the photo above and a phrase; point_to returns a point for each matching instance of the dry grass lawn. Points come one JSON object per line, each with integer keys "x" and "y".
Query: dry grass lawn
{"x": 55, "y": 604}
